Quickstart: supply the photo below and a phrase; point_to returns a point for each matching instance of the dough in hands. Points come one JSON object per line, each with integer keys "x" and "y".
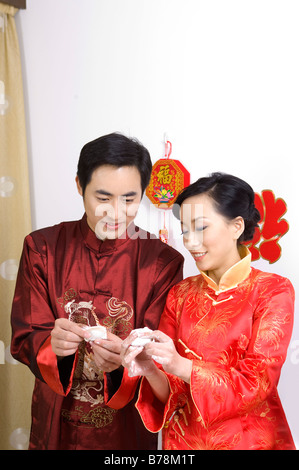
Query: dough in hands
{"x": 96, "y": 332}
{"x": 141, "y": 341}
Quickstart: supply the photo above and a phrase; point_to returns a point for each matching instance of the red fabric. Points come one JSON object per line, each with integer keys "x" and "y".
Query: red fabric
{"x": 124, "y": 394}
{"x": 47, "y": 363}
{"x": 237, "y": 340}
{"x": 121, "y": 284}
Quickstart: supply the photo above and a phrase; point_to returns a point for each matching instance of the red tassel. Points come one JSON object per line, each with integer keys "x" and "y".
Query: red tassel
{"x": 163, "y": 235}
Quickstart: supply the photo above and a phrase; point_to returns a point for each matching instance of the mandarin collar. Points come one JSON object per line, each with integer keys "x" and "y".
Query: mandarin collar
{"x": 234, "y": 275}
{"x": 99, "y": 246}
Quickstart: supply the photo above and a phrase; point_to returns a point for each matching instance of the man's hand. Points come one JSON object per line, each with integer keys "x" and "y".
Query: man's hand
{"x": 107, "y": 352}
{"x": 66, "y": 337}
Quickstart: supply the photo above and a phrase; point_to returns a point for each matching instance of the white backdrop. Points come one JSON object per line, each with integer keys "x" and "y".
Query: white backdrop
{"x": 221, "y": 78}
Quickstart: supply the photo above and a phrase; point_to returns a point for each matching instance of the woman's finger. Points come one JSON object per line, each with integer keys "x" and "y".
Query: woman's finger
{"x": 132, "y": 353}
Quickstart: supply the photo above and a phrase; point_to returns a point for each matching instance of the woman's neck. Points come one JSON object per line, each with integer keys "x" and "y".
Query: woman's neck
{"x": 216, "y": 274}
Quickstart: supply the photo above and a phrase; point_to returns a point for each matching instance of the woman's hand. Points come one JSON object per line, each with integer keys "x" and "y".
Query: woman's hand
{"x": 163, "y": 351}
{"x": 139, "y": 362}
{"x": 135, "y": 358}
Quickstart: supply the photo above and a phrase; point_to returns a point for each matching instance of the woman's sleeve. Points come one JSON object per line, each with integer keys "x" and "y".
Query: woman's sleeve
{"x": 32, "y": 321}
{"x": 153, "y": 413}
{"x": 220, "y": 391}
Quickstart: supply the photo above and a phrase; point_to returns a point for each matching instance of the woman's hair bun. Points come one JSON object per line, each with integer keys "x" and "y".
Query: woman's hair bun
{"x": 251, "y": 222}
{"x": 233, "y": 197}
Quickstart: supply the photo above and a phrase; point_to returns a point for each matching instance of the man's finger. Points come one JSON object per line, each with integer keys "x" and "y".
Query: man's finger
{"x": 113, "y": 346}
{"x": 105, "y": 353}
{"x": 75, "y": 328}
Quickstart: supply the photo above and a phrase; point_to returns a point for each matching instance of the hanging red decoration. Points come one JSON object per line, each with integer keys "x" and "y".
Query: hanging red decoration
{"x": 272, "y": 227}
{"x": 168, "y": 178}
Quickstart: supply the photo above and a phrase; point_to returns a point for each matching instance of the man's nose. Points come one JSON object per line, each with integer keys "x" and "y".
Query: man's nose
{"x": 117, "y": 208}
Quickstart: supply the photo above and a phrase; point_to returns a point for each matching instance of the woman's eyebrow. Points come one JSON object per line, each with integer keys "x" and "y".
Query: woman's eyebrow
{"x": 195, "y": 219}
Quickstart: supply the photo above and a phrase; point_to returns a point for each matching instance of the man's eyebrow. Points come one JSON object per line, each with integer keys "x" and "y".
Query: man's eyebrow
{"x": 130, "y": 194}
{"x": 106, "y": 193}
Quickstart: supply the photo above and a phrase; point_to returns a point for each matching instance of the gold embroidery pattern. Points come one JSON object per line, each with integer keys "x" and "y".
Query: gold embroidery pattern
{"x": 88, "y": 392}
{"x": 212, "y": 439}
{"x": 271, "y": 329}
{"x": 88, "y": 385}
{"x": 69, "y": 295}
{"x": 81, "y": 312}
{"x": 120, "y": 314}
{"x": 237, "y": 342}
{"x": 98, "y": 417}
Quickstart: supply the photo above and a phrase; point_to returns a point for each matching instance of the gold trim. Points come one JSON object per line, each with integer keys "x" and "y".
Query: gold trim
{"x": 187, "y": 350}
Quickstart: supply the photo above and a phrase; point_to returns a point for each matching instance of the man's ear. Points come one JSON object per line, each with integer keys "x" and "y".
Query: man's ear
{"x": 80, "y": 190}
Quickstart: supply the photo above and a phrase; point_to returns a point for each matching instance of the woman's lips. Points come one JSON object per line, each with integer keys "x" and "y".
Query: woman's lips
{"x": 198, "y": 255}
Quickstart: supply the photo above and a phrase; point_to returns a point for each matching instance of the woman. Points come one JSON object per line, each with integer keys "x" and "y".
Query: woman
{"x": 223, "y": 335}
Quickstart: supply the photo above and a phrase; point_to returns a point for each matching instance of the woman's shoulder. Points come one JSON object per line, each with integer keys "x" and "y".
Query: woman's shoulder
{"x": 271, "y": 281}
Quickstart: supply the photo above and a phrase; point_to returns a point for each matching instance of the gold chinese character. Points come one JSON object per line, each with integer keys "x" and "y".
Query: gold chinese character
{"x": 163, "y": 176}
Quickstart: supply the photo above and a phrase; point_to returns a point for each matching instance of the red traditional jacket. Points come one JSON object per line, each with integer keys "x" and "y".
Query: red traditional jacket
{"x": 65, "y": 271}
{"x": 237, "y": 335}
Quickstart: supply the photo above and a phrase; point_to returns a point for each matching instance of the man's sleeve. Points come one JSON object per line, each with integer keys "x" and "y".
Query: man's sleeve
{"x": 32, "y": 321}
{"x": 119, "y": 387}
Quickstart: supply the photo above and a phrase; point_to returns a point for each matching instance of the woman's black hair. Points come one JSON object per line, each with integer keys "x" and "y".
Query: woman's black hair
{"x": 232, "y": 198}
{"x": 117, "y": 150}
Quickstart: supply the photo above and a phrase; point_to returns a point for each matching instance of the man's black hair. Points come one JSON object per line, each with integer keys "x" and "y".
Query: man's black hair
{"x": 117, "y": 150}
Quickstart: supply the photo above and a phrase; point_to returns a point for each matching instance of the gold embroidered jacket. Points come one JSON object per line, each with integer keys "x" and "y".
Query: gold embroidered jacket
{"x": 237, "y": 334}
{"x": 65, "y": 271}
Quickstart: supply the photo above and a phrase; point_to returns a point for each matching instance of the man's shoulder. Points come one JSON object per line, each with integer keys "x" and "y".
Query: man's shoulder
{"x": 52, "y": 233}
{"x": 151, "y": 245}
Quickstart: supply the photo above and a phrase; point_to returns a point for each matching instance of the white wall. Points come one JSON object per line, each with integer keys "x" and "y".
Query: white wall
{"x": 220, "y": 77}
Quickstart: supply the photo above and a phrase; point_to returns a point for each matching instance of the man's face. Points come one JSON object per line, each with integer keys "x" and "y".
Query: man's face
{"x": 111, "y": 200}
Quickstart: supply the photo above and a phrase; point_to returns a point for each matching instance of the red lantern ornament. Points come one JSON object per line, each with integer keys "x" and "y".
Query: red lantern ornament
{"x": 168, "y": 178}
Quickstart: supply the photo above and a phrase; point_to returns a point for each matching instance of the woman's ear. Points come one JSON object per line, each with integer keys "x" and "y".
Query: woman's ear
{"x": 80, "y": 191}
{"x": 238, "y": 225}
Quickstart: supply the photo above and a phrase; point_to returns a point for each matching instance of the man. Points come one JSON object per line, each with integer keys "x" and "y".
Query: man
{"x": 101, "y": 270}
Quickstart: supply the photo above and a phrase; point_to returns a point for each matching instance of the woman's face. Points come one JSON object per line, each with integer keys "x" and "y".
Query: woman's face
{"x": 210, "y": 237}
